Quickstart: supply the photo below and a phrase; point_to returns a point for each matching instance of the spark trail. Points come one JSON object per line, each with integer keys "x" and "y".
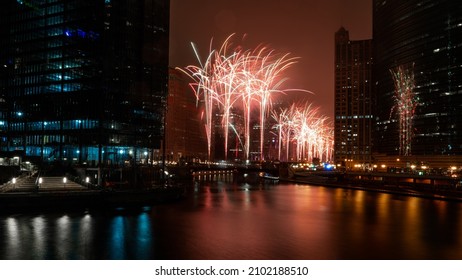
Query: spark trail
{"x": 234, "y": 77}
{"x": 302, "y": 129}
{"x": 406, "y": 102}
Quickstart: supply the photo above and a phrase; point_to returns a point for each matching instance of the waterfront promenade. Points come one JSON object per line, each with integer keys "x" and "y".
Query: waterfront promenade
{"x": 440, "y": 187}
{"x": 26, "y": 184}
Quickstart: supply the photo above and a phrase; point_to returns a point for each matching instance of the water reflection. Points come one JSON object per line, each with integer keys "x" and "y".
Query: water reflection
{"x": 130, "y": 235}
{"x": 63, "y": 235}
{"x": 12, "y": 238}
{"x": 143, "y": 236}
{"x": 224, "y": 220}
{"x": 38, "y": 231}
{"x": 85, "y": 236}
{"x": 116, "y": 239}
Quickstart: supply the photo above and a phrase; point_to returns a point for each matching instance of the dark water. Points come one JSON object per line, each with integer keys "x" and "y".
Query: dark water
{"x": 239, "y": 221}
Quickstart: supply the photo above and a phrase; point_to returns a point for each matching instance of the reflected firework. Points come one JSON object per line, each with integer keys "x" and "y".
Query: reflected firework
{"x": 405, "y": 104}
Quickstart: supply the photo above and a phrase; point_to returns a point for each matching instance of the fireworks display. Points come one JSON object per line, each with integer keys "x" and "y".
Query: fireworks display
{"x": 233, "y": 79}
{"x": 405, "y": 104}
{"x": 303, "y": 133}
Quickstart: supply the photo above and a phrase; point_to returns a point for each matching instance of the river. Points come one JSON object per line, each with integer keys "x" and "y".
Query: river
{"x": 238, "y": 220}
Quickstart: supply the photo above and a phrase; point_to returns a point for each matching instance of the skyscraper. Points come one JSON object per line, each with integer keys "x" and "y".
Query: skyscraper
{"x": 353, "y": 103}
{"x": 418, "y": 43}
{"x": 185, "y": 131}
{"x": 83, "y": 80}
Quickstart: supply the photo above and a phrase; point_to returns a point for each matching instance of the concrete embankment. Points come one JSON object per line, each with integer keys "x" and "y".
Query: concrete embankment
{"x": 87, "y": 199}
{"x": 391, "y": 189}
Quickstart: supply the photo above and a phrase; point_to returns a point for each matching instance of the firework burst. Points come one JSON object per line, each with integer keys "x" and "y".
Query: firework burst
{"x": 304, "y": 131}
{"x": 235, "y": 77}
{"x": 405, "y": 104}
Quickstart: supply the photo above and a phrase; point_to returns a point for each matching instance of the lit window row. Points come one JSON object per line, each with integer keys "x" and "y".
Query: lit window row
{"x": 354, "y": 117}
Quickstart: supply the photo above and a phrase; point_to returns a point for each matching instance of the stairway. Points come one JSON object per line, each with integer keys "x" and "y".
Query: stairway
{"x": 24, "y": 184}
{"x": 57, "y": 183}
{"x": 28, "y": 184}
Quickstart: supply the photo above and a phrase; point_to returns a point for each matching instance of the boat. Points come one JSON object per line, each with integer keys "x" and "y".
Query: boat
{"x": 266, "y": 175}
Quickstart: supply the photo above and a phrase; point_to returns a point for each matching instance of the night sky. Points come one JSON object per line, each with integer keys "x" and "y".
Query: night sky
{"x": 303, "y": 28}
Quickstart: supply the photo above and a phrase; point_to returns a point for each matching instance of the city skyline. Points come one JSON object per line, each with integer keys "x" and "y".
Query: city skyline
{"x": 120, "y": 140}
{"x": 261, "y": 23}
{"x": 296, "y": 29}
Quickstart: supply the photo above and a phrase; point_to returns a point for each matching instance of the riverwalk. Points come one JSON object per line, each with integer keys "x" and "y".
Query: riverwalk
{"x": 27, "y": 185}
{"x": 42, "y": 184}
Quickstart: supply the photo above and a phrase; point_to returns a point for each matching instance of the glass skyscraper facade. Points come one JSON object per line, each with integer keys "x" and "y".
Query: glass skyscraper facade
{"x": 424, "y": 38}
{"x": 83, "y": 80}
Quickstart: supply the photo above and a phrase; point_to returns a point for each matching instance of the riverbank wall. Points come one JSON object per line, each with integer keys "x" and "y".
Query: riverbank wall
{"x": 448, "y": 195}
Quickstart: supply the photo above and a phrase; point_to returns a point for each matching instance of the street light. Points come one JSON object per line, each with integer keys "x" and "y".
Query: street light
{"x": 14, "y": 182}
{"x": 64, "y": 181}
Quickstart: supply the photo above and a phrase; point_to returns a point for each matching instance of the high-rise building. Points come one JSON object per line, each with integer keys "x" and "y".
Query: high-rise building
{"x": 83, "y": 80}
{"x": 185, "y": 137}
{"x": 353, "y": 100}
{"x": 418, "y": 77}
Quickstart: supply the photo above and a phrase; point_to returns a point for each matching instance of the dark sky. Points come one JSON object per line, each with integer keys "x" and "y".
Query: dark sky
{"x": 303, "y": 28}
